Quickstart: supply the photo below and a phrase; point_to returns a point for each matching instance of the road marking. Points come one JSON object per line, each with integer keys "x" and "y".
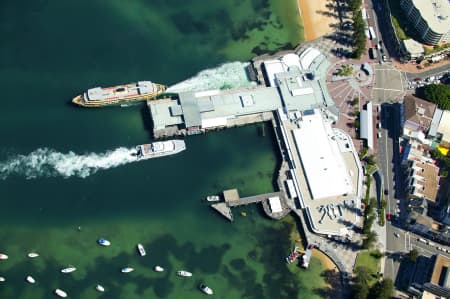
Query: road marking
{"x": 379, "y": 88}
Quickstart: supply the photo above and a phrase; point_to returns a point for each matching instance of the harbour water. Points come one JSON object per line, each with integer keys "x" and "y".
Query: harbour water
{"x": 66, "y": 178}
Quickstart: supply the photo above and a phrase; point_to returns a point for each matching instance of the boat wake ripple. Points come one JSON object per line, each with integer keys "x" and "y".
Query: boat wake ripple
{"x": 225, "y": 76}
{"x": 45, "y": 162}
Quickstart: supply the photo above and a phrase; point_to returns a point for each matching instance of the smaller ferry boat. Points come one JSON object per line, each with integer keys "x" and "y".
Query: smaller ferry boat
{"x": 3, "y": 256}
{"x": 100, "y": 288}
{"x": 33, "y": 254}
{"x": 126, "y": 270}
{"x": 158, "y": 269}
{"x": 2, "y": 279}
{"x": 184, "y": 273}
{"x": 103, "y": 242}
{"x": 141, "y": 249}
{"x": 212, "y": 198}
{"x": 205, "y": 289}
{"x": 30, "y": 279}
{"x": 293, "y": 256}
{"x": 68, "y": 270}
{"x": 60, "y": 293}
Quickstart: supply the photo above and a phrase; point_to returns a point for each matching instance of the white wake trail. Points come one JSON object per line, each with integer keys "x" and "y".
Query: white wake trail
{"x": 45, "y": 162}
{"x": 225, "y": 76}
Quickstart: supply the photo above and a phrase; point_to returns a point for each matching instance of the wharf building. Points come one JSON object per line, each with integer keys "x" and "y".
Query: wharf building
{"x": 431, "y": 19}
{"x": 323, "y": 180}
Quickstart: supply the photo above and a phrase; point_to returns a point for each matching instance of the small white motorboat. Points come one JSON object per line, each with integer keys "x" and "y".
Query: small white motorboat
{"x": 141, "y": 249}
{"x": 68, "y": 270}
{"x": 60, "y": 293}
{"x": 30, "y": 279}
{"x": 33, "y": 254}
{"x": 205, "y": 289}
{"x": 2, "y": 279}
{"x": 103, "y": 242}
{"x": 158, "y": 269}
{"x": 100, "y": 288}
{"x": 184, "y": 273}
{"x": 3, "y": 256}
{"x": 212, "y": 198}
{"x": 126, "y": 270}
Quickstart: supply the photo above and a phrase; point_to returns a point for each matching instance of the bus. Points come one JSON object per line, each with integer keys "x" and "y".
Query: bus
{"x": 372, "y": 33}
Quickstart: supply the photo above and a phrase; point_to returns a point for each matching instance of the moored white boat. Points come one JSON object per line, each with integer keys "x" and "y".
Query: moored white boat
{"x": 2, "y": 279}
{"x": 126, "y": 270}
{"x": 100, "y": 288}
{"x": 205, "y": 289}
{"x": 212, "y": 198}
{"x": 141, "y": 249}
{"x": 33, "y": 254}
{"x": 184, "y": 273}
{"x": 60, "y": 293}
{"x": 103, "y": 242}
{"x": 30, "y": 279}
{"x": 68, "y": 270}
{"x": 158, "y": 269}
{"x": 3, "y": 256}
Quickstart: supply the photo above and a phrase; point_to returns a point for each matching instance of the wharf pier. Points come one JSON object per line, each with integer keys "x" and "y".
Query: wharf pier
{"x": 269, "y": 200}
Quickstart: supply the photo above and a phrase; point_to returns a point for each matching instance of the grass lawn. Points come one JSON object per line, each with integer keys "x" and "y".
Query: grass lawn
{"x": 401, "y": 24}
{"x": 365, "y": 259}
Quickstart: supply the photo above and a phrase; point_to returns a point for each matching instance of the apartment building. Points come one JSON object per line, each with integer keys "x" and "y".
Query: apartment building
{"x": 431, "y": 19}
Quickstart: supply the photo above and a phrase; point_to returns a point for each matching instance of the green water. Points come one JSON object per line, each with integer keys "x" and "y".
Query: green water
{"x": 53, "y": 50}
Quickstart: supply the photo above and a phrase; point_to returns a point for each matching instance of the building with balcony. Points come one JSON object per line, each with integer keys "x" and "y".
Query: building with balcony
{"x": 431, "y": 19}
{"x": 417, "y": 117}
{"x": 422, "y": 184}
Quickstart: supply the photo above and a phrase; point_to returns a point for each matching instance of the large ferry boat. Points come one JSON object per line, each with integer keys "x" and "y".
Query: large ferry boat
{"x": 159, "y": 149}
{"x": 120, "y": 94}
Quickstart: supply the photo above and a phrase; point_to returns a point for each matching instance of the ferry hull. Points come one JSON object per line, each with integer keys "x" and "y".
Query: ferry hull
{"x": 81, "y": 101}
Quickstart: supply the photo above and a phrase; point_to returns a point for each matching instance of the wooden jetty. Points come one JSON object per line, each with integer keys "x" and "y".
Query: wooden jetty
{"x": 232, "y": 199}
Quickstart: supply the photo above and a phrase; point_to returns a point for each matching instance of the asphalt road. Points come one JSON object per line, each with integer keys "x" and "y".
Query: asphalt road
{"x": 425, "y": 74}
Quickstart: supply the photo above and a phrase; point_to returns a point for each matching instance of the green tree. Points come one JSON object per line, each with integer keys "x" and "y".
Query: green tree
{"x": 371, "y": 238}
{"x": 438, "y": 94}
{"x": 413, "y": 254}
{"x": 354, "y": 5}
{"x": 362, "y": 275}
{"x": 382, "y": 289}
{"x": 360, "y": 291}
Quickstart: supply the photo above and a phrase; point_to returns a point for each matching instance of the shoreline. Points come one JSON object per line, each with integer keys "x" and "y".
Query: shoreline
{"x": 325, "y": 260}
{"x": 315, "y": 22}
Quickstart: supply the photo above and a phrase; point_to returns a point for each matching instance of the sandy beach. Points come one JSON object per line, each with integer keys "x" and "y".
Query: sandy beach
{"x": 324, "y": 259}
{"x": 315, "y": 22}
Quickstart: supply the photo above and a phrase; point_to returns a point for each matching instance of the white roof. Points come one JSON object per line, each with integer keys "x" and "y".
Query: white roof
{"x": 366, "y": 125}
{"x": 444, "y": 126}
{"x": 307, "y": 57}
{"x": 436, "y": 13}
{"x": 214, "y": 122}
{"x": 321, "y": 159}
{"x": 275, "y": 204}
{"x": 280, "y": 66}
{"x": 291, "y": 59}
{"x": 273, "y": 67}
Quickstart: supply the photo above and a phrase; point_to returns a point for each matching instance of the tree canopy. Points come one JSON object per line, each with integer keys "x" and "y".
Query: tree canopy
{"x": 438, "y": 94}
{"x": 382, "y": 289}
